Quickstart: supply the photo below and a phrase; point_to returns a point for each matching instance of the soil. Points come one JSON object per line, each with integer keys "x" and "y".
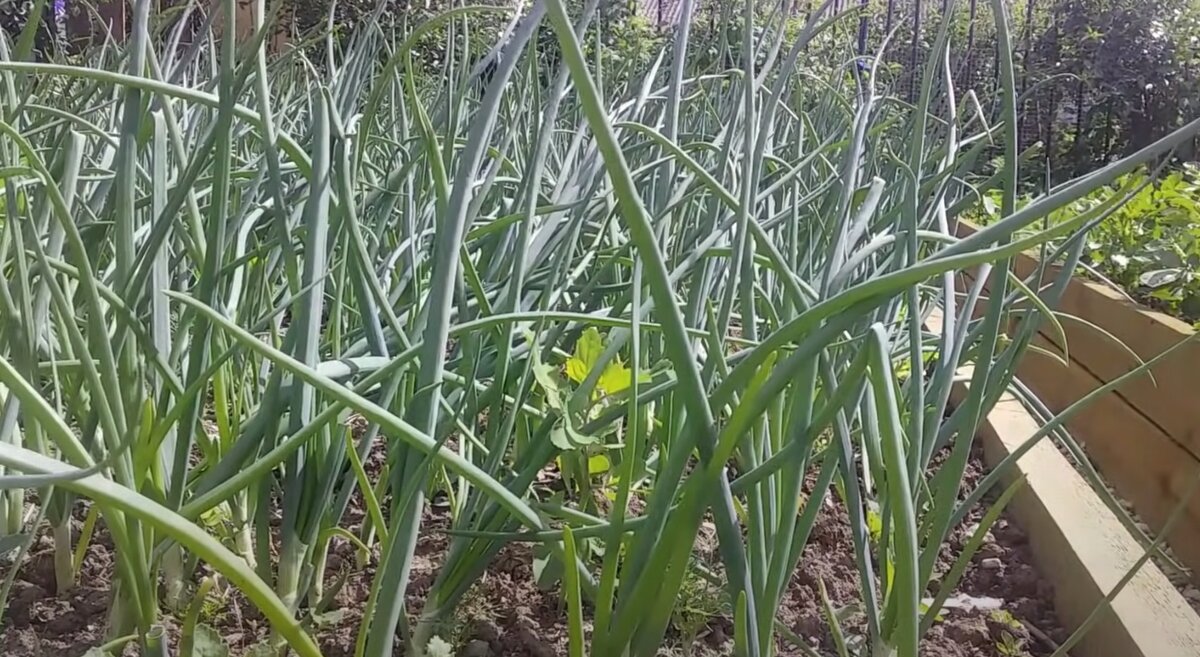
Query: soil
{"x": 507, "y": 614}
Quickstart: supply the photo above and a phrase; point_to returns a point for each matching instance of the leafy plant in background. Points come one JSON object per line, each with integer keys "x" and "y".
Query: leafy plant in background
{"x": 1010, "y": 646}
{"x": 700, "y": 601}
{"x": 626, "y": 39}
{"x": 1150, "y": 246}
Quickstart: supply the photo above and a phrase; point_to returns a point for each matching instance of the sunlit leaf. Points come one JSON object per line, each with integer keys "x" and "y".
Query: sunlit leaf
{"x": 587, "y": 351}
{"x": 547, "y": 379}
{"x": 1160, "y": 277}
{"x": 558, "y": 436}
{"x": 598, "y": 464}
{"x": 616, "y": 377}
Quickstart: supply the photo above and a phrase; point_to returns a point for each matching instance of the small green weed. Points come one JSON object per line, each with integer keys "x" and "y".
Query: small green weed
{"x": 699, "y": 602}
{"x": 1005, "y": 617}
{"x": 1010, "y": 646}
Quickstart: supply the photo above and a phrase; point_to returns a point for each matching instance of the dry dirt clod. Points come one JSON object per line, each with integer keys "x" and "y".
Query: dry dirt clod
{"x": 971, "y": 631}
{"x": 991, "y": 563}
{"x": 989, "y": 550}
{"x": 476, "y": 648}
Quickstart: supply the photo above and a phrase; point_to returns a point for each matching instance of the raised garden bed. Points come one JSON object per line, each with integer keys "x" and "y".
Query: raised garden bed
{"x": 1085, "y": 551}
{"x": 1047, "y": 563}
{"x": 1144, "y": 440}
{"x": 1003, "y": 601}
{"x": 1144, "y": 437}
{"x": 507, "y": 614}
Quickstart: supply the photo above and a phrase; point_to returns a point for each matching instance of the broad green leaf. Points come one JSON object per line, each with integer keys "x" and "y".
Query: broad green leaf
{"x": 546, "y": 377}
{"x": 216, "y": 517}
{"x": 615, "y": 378}
{"x": 1160, "y": 277}
{"x": 207, "y": 642}
{"x": 566, "y": 437}
{"x": 924, "y": 607}
{"x": 598, "y": 464}
{"x": 588, "y": 349}
{"x": 547, "y": 567}
{"x": 558, "y": 436}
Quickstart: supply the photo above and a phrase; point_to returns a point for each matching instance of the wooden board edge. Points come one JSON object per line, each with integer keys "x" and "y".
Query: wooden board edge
{"x": 1081, "y": 547}
{"x": 1084, "y": 550}
{"x": 1145, "y": 464}
{"x": 1163, "y": 320}
{"x": 1163, "y": 400}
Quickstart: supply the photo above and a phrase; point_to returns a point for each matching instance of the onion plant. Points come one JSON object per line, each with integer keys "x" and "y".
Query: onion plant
{"x": 696, "y": 293}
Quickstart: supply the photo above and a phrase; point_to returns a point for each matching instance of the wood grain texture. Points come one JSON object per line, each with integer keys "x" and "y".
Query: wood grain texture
{"x": 1083, "y": 549}
{"x": 1141, "y": 462}
{"x": 1169, "y": 398}
{"x": 1144, "y": 437}
{"x": 1171, "y": 404}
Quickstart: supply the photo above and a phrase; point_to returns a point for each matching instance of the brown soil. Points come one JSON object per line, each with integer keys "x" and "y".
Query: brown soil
{"x": 507, "y": 614}
{"x": 39, "y": 623}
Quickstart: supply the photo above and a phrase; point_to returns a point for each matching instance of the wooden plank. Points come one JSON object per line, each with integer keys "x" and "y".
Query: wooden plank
{"x": 1083, "y": 549}
{"x": 1164, "y": 400}
{"x": 246, "y": 29}
{"x": 111, "y": 17}
{"x": 1145, "y": 465}
{"x": 1169, "y": 404}
{"x": 1168, "y": 399}
{"x": 1141, "y": 462}
{"x": 114, "y": 17}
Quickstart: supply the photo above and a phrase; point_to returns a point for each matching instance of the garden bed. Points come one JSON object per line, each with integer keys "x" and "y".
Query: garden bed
{"x": 1130, "y": 608}
{"x": 1054, "y": 556}
{"x": 1002, "y": 602}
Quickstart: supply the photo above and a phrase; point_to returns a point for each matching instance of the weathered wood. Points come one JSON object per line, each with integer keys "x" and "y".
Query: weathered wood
{"x": 1141, "y": 462}
{"x": 1167, "y": 400}
{"x": 113, "y": 17}
{"x": 1171, "y": 403}
{"x": 1145, "y": 436}
{"x": 1081, "y": 546}
{"x": 110, "y": 17}
{"x": 1144, "y": 463}
{"x": 246, "y": 27}
{"x": 1084, "y": 551}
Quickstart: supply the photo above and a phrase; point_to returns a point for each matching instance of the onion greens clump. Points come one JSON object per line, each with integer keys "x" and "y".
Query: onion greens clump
{"x": 231, "y": 278}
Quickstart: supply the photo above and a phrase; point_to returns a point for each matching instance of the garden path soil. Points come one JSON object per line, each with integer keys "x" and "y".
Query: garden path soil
{"x": 508, "y": 615}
